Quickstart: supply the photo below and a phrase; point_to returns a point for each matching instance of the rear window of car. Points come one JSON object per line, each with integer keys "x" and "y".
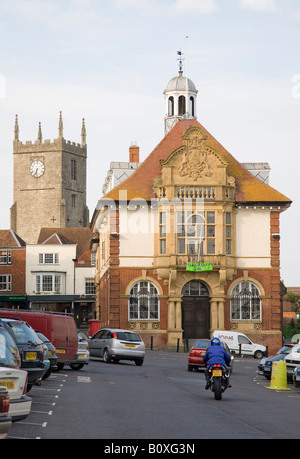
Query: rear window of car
{"x": 127, "y": 336}
{"x": 9, "y": 353}
{"x": 23, "y": 333}
{"x": 204, "y": 343}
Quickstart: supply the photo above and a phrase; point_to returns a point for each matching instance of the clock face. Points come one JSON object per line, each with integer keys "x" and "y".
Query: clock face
{"x": 37, "y": 168}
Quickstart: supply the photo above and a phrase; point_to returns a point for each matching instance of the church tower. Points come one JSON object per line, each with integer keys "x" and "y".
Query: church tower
{"x": 180, "y": 98}
{"x": 49, "y": 183}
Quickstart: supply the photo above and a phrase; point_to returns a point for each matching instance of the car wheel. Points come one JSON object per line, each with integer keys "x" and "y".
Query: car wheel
{"x": 106, "y": 357}
{"x": 190, "y": 368}
{"x": 59, "y": 366}
{"x": 139, "y": 363}
{"x": 258, "y": 355}
{"x": 76, "y": 366}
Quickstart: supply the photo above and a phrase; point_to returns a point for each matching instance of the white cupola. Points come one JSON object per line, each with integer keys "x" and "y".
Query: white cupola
{"x": 180, "y": 99}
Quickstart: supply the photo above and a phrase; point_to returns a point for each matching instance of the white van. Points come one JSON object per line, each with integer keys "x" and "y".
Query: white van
{"x": 239, "y": 342}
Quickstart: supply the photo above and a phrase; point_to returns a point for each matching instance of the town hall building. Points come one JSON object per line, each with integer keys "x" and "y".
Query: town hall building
{"x": 190, "y": 241}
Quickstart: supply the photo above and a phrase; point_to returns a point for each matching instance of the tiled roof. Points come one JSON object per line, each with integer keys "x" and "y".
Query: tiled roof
{"x": 8, "y": 238}
{"x": 139, "y": 185}
{"x": 79, "y": 236}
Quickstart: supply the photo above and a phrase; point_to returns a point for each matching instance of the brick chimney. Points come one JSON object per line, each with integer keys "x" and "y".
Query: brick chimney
{"x": 134, "y": 153}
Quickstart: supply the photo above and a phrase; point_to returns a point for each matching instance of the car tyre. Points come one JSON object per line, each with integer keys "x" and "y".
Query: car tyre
{"x": 139, "y": 363}
{"x": 190, "y": 368}
{"x": 258, "y": 355}
{"x": 106, "y": 357}
{"x": 76, "y": 366}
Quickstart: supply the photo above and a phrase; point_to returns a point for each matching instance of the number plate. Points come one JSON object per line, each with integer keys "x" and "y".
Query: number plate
{"x": 130, "y": 345}
{"x": 31, "y": 356}
{"x": 297, "y": 378}
{"x": 60, "y": 351}
{"x": 81, "y": 356}
{"x": 9, "y": 384}
{"x": 217, "y": 372}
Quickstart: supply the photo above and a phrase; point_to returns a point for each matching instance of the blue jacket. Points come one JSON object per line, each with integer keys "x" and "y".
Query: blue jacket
{"x": 218, "y": 355}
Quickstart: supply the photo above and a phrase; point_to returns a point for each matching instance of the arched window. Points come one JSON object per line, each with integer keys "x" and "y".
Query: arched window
{"x": 195, "y": 288}
{"x": 181, "y": 105}
{"x": 171, "y": 106}
{"x": 143, "y": 301}
{"x": 192, "y": 106}
{"x": 245, "y": 302}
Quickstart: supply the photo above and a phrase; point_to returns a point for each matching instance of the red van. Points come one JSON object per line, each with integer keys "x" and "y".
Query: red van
{"x": 60, "y": 329}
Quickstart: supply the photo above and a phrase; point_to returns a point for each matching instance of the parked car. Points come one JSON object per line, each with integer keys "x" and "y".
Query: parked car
{"x": 83, "y": 353}
{"x": 14, "y": 379}
{"x": 296, "y": 376}
{"x": 292, "y": 360}
{"x": 240, "y": 343}
{"x": 30, "y": 349}
{"x": 5, "y": 419}
{"x": 197, "y": 352}
{"x": 114, "y": 344}
{"x": 51, "y": 353}
{"x": 60, "y": 329}
{"x": 285, "y": 347}
{"x": 265, "y": 365}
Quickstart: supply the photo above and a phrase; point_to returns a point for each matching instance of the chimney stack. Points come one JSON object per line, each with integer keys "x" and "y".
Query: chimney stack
{"x": 134, "y": 153}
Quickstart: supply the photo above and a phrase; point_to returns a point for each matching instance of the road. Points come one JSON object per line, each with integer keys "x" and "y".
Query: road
{"x": 160, "y": 400}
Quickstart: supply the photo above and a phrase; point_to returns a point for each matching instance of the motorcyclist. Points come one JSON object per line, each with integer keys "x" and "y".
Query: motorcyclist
{"x": 215, "y": 354}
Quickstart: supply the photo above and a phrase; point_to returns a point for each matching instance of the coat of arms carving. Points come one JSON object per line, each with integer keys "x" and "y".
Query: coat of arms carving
{"x": 195, "y": 164}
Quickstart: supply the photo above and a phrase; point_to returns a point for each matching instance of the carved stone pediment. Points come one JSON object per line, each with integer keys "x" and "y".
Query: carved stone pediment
{"x": 195, "y": 161}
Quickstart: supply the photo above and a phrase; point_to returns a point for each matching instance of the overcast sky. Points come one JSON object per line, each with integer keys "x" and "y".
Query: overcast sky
{"x": 109, "y": 61}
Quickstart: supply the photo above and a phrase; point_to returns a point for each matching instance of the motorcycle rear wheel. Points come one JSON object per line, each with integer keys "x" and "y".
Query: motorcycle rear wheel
{"x": 218, "y": 388}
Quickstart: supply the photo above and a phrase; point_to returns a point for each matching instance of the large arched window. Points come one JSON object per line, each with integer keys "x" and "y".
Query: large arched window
{"x": 245, "y": 302}
{"x": 143, "y": 301}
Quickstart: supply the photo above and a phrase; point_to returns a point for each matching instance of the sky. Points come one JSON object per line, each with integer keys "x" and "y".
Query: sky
{"x": 109, "y": 61}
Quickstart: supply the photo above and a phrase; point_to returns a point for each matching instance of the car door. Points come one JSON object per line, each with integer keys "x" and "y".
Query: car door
{"x": 105, "y": 342}
{"x": 95, "y": 344}
{"x": 246, "y": 345}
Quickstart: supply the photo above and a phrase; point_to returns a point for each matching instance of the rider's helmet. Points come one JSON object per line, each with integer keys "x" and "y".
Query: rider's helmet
{"x": 215, "y": 342}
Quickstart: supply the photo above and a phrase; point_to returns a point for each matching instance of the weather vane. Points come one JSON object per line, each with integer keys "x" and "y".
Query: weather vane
{"x": 180, "y": 59}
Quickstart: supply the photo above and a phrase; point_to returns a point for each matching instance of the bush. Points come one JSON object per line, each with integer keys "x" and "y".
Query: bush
{"x": 290, "y": 330}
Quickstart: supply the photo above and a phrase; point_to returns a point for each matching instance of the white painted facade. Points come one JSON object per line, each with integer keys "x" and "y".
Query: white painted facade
{"x": 253, "y": 247}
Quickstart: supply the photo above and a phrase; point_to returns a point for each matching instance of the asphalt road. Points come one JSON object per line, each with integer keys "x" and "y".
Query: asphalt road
{"x": 158, "y": 401}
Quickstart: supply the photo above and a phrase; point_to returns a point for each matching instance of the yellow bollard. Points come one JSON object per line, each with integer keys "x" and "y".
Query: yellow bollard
{"x": 278, "y": 376}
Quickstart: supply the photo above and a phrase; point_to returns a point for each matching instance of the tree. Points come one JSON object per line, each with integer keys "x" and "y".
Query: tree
{"x": 294, "y": 299}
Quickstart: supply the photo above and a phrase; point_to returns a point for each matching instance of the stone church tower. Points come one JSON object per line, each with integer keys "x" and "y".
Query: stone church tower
{"x": 49, "y": 184}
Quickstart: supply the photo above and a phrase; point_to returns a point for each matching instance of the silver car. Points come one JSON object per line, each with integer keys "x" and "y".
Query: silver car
{"x": 113, "y": 345}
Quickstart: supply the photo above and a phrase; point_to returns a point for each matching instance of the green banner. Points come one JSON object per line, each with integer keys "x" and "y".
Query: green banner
{"x": 199, "y": 267}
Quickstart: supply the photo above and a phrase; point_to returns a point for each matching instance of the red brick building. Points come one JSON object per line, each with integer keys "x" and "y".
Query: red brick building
{"x": 12, "y": 270}
{"x": 190, "y": 242}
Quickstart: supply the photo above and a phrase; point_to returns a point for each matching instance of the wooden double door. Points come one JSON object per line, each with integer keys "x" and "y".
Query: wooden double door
{"x": 195, "y": 317}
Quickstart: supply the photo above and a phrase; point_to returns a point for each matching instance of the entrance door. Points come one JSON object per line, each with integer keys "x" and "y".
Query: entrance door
{"x": 195, "y": 317}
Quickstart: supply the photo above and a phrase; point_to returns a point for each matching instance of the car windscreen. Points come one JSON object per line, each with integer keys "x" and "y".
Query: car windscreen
{"x": 127, "y": 336}
{"x": 24, "y": 334}
{"x": 9, "y": 353}
{"x": 203, "y": 343}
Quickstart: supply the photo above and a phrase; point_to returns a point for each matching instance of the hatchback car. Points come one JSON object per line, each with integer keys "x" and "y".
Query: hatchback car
{"x": 83, "y": 353}
{"x": 30, "y": 349}
{"x": 115, "y": 344}
{"x": 292, "y": 361}
{"x": 51, "y": 353}
{"x": 198, "y": 351}
{"x": 11, "y": 377}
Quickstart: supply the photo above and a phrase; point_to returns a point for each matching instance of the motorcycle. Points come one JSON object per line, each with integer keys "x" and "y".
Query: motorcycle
{"x": 219, "y": 379}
